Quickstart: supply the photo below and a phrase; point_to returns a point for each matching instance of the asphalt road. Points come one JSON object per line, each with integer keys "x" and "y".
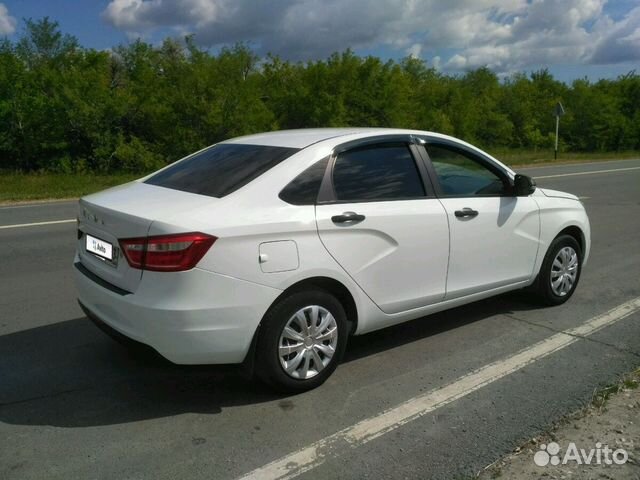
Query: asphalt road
{"x": 73, "y": 404}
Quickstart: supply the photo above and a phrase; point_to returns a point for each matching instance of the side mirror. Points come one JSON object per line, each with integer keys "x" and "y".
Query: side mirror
{"x": 523, "y": 185}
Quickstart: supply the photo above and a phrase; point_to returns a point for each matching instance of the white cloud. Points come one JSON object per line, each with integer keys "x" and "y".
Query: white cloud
{"x": 414, "y": 50}
{"x": 505, "y": 35}
{"x": 620, "y": 42}
{"x": 457, "y": 62}
{"x": 546, "y": 32}
{"x": 148, "y": 14}
{"x": 7, "y": 22}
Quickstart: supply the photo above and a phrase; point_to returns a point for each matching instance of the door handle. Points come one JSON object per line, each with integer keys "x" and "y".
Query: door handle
{"x": 466, "y": 212}
{"x": 348, "y": 217}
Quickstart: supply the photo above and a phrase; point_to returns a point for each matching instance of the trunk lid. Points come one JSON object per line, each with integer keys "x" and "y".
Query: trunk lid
{"x": 126, "y": 211}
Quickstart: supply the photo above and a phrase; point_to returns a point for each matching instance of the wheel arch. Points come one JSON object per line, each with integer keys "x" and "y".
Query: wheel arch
{"x": 328, "y": 284}
{"x": 332, "y": 286}
{"x": 575, "y": 232}
{"x": 540, "y": 286}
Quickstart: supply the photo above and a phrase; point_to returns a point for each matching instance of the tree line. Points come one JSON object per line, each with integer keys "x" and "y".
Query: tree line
{"x": 134, "y": 108}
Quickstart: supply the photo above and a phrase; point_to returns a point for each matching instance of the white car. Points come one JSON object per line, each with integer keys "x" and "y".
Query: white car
{"x": 272, "y": 249}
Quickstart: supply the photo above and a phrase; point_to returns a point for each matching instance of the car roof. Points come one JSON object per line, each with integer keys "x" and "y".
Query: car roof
{"x": 303, "y": 137}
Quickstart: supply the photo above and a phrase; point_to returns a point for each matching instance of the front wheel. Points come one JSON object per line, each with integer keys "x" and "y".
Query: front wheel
{"x": 560, "y": 271}
{"x": 301, "y": 341}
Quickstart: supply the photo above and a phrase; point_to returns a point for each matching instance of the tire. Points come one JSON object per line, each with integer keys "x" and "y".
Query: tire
{"x": 548, "y": 292}
{"x": 305, "y": 347}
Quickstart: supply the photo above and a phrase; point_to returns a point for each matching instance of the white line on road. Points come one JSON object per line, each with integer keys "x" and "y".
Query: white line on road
{"x": 54, "y": 203}
{"x": 362, "y": 432}
{"x": 589, "y": 173}
{"x": 37, "y": 224}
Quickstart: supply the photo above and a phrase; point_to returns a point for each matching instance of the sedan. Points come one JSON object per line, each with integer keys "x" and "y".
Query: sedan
{"x": 270, "y": 250}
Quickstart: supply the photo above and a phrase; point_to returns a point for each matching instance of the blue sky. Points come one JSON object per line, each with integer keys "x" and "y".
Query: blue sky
{"x": 573, "y": 38}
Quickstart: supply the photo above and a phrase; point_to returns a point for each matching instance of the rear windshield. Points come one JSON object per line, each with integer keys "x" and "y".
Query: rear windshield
{"x": 221, "y": 169}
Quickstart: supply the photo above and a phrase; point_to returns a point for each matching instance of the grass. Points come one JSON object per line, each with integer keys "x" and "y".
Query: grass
{"x": 19, "y": 187}
{"x": 598, "y": 403}
{"x": 529, "y": 157}
{"x": 40, "y": 186}
{"x": 601, "y": 396}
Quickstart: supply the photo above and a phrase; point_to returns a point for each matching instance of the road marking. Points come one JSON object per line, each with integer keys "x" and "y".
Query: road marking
{"x": 38, "y": 204}
{"x": 37, "y": 224}
{"x": 589, "y": 173}
{"x": 366, "y": 430}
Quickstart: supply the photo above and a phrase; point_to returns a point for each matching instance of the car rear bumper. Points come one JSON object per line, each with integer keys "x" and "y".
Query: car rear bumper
{"x": 193, "y": 317}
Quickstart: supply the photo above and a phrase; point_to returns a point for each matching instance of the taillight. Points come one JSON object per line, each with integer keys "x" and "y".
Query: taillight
{"x": 133, "y": 249}
{"x": 166, "y": 253}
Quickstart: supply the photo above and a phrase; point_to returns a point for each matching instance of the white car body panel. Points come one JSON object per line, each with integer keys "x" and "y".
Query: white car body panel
{"x": 557, "y": 194}
{"x": 556, "y": 214}
{"x": 389, "y": 254}
{"x": 494, "y": 249}
{"x": 406, "y": 260}
{"x": 301, "y": 138}
{"x": 128, "y": 211}
{"x": 179, "y": 316}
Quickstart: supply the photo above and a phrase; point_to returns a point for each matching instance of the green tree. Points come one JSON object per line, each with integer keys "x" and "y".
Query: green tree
{"x": 135, "y": 108}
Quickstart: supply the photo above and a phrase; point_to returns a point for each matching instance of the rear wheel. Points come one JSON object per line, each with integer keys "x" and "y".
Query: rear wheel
{"x": 560, "y": 271}
{"x": 301, "y": 341}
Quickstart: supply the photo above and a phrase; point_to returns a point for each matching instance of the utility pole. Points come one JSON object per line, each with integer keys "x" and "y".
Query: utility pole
{"x": 558, "y": 111}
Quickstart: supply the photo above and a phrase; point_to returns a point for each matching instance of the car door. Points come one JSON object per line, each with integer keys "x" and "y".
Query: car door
{"x": 494, "y": 234}
{"x": 378, "y": 220}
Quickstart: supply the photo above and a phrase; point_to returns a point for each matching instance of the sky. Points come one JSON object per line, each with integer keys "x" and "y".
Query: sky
{"x": 572, "y": 38}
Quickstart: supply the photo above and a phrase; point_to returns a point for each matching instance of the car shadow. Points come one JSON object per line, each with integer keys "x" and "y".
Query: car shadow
{"x": 70, "y": 374}
{"x": 415, "y": 330}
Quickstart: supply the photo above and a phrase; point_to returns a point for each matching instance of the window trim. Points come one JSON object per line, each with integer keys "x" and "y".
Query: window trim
{"x": 327, "y": 194}
{"x": 474, "y": 156}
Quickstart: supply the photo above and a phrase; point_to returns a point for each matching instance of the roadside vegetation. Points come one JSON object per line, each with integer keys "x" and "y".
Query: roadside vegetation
{"x": 40, "y": 186}
{"x": 96, "y": 115}
{"x": 610, "y": 418}
{"x": 46, "y": 185}
{"x": 515, "y": 158}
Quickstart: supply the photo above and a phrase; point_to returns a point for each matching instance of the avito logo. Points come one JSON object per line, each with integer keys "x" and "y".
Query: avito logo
{"x": 550, "y": 454}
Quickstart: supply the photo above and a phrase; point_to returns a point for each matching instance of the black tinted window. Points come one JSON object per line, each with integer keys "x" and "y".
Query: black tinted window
{"x": 460, "y": 174}
{"x": 221, "y": 169}
{"x": 383, "y": 172}
{"x": 303, "y": 190}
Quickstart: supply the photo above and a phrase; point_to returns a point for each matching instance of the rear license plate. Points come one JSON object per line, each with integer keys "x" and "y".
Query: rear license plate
{"x": 99, "y": 247}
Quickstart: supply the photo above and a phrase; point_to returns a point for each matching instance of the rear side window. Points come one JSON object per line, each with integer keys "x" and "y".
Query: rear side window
{"x": 383, "y": 172}
{"x": 221, "y": 169}
{"x": 303, "y": 190}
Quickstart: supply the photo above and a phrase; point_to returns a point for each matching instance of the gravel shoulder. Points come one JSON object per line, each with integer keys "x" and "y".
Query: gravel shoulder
{"x": 611, "y": 420}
